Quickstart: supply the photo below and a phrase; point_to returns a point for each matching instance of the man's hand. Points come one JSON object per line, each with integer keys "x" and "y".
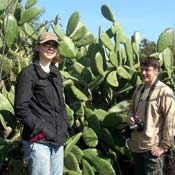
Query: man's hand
{"x": 132, "y": 120}
{"x": 157, "y": 151}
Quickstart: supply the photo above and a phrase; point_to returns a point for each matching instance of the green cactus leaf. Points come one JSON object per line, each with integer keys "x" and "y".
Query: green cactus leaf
{"x": 106, "y": 41}
{"x": 108, "y": 93}
{"x": 166, "y": 39}
{"x": 135, "y": 79}
{"x": 72, "y": 23}
{"x": 119, "y": 107}
{"x": 94, "y": 123}
{"x": 20, "y": 61}
{"x": 87, "y": 168}
{"x": 90, "y": 138}
{"x": 88, "y": 111}
{"x": 67, "y": 75}
{"x": 8, "y": 64}
{"x": 106, "y": 12}
{"x": 30, "y": 31}
{"x": 119, "y": 32}
{"x": 137, "y": 37}
{"x": 67, "y": 48}
{"x": 70, "y": 115}
{"x": 79, "y": 33}
{"x": 87, "y": 75}
{"x": 118, "y": 138}
{"x": 10, "y": 29}
{"x": 71, "y": 172}
{"x": 100, "y": 113}
{"x": 2, "y": 121}
{"x": 113, "y": 58}
{"x": 11, "y": 98}
{"x": 30, "y": 3}
{"x": 5, "y": 104}
{"x": 123, "y": 73}
{"x": 122, "y": 56}
{"x": 87, "y": 39}
{"x": 71, "y": 142}
{"x": 78, "y": 93}
{"x": 68, "y": 83}
{"x": 58, "y": 32}
{"x": 102, "y": 166}
{"x": 8, "y": 115}
{"x": 83, "y": 74}
{"x": 125, "y": 89}
{"x": 78, "y": 67}
{"x": 112, "y": 31}
{"x": 135, "y": 48}
{"x": 106, "y": 136}
{"x": 71, "y": 162}
{"x": 29, "y": 14}
{"x": 78, "y": 153}
{"x": 168, "y": 60}
{"x": 93, "y": 119}
{"x": 129, "y": 52}
{"x": 78, "y": 109}
{"x": 99, "y": 63}
{"x": 95, "y": 82}
{"x": 4, "y": 90}
{"x": 113, "y": 119}
{"x": 1, "y": 43}
{"x": 112, "y": 79}
{"x": 4, "y": 4}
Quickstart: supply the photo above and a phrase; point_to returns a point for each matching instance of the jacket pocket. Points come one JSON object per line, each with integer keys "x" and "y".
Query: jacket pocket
{"x": 49, "y": 132}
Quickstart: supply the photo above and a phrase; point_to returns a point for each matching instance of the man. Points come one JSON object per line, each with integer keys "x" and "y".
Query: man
{"x": 153, "y": 102}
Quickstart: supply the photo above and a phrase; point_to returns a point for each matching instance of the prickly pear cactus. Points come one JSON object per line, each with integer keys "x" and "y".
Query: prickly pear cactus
{"x": 99, "y": 77}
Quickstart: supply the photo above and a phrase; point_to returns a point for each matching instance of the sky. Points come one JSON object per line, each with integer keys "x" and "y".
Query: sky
{"x": 149, "y": 17}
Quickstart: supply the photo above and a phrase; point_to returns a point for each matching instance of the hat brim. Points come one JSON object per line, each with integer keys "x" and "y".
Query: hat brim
{"x": 46, "y": 40}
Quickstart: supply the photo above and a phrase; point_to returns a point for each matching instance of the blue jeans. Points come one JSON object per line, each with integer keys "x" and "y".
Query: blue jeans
{"x": 43, "y": 159}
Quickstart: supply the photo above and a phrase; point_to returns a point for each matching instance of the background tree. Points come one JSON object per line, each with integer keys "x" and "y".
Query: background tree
{"x": 147, "y": 48}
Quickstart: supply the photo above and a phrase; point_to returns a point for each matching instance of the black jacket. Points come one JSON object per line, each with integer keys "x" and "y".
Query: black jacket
{"x": 39, "y": 103}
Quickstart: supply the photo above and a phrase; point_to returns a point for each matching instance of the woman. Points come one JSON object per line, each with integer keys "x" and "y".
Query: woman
{"x": 39, "y": 105}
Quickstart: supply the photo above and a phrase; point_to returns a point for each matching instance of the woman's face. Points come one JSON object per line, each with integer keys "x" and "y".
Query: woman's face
{"x": 47, "y": 50}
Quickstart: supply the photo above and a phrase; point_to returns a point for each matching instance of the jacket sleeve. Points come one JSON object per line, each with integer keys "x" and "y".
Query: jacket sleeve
{"x": 23, "y": 94}
{"x": 168, "y": 110}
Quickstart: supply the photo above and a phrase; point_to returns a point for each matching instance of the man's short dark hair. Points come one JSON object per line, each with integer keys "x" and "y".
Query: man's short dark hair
{"x": 150, "y": 61}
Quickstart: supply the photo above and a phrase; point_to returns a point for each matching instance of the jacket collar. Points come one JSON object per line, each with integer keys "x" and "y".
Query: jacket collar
{"x": 40, "y": 71}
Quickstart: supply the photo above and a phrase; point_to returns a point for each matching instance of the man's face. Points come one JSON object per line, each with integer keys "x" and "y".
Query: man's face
{"x": 148, "y": 74}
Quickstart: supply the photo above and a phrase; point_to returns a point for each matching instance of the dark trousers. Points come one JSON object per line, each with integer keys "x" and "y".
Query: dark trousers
{"x": 147, "y": 164}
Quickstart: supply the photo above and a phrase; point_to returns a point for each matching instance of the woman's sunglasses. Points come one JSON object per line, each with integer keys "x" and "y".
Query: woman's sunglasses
{"x": 53, "y": 45}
